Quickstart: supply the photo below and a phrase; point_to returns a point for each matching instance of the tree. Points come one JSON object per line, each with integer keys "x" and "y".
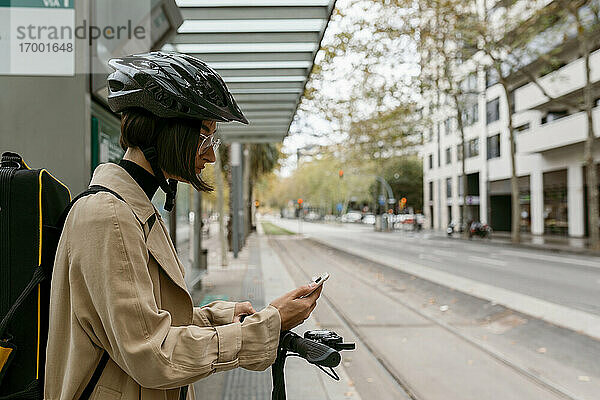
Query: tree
{"x": 317, "y": 182}
{"x": 405, "y": 176}
{"x": 442, "y": 27}
{"x": 527, "y": 49}
{"x": 364, "y": 70}
{"x": 577, "y": 21}
{"x": 498, "y": 38}
{"x": 261, "y": 159}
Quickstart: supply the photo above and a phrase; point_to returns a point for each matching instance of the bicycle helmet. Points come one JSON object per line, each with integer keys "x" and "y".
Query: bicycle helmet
{"x": 170, "y": 85}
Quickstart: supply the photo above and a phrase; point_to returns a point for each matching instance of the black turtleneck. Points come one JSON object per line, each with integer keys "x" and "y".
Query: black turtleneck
{"x": 145, "y": 179}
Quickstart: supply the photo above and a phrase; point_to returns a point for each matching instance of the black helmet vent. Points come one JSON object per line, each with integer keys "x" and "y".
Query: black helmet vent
{"x": 142, "y": 79}
{"x": 184, "y": 74}
{"x": 115, "y": 86}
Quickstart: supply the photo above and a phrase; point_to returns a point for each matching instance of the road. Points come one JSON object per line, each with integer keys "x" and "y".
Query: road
{"x": 567, "y": 280}
{"x": 421, "y": 340}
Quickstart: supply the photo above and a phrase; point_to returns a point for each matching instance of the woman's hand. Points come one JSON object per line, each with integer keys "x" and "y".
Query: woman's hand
{"x": 243, "y": 308}
{"x": 293, "y": 308}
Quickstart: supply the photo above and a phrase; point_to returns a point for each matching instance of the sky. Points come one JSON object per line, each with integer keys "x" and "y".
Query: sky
{"x": 337, "y": 83}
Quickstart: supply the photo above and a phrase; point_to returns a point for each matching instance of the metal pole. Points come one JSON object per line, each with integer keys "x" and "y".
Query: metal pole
{"x": 200, "y": 254}
{"x": 235, "y": 157}
{"x": 240, "y": 199}
{"x": 246, "y": 195}
{"x": 221, "y": 208}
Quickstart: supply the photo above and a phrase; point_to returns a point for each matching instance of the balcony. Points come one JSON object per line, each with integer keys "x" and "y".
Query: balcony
{"x": 563, "y": 132}
{"x": 559, "y": 83}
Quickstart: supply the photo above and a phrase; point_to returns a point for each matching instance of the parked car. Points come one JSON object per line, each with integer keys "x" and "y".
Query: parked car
{"x": 368, "y": 219}
{"x": 352, "y": 217}
{"x": 312, "y": 216}
{"x": 330, "y": 218}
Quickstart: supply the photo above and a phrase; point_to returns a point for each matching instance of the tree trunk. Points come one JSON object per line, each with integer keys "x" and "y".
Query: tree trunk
{"x": 592, "y": 175}
{"x": 514, "y": 181}
{"x": 465, "y": 184}
{"x": 221, "y": 208}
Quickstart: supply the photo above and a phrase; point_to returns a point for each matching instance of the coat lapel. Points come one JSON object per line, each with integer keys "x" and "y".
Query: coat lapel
{"x": 159, "y": 245}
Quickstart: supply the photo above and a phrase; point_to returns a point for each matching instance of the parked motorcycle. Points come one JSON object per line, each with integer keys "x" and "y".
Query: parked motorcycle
{"x": 480, "y": 230}
{"x": 450, "y": 228}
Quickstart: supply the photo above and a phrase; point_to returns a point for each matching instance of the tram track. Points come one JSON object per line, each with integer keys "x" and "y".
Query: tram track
{"x": 294, "y": 255}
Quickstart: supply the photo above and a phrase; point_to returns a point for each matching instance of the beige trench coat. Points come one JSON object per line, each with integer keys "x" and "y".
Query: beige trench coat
{"x": 119, "y": 286}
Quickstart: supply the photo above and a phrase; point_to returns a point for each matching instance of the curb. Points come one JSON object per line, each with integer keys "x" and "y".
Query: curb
{"x": 527, "y": 246}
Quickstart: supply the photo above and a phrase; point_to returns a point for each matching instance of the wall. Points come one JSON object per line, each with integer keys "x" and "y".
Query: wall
{"x": 47, "y": 120}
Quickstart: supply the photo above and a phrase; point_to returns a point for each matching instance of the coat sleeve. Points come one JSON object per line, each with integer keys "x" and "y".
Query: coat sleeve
{"x": 215, "y": 313}
{"x": 116, "y": 307}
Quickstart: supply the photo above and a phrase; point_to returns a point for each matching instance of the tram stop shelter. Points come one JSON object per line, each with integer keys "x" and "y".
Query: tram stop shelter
{"x": 264, "y": 50}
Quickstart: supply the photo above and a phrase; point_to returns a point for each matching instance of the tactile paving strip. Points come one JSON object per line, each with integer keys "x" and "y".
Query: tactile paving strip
{"x": 241, "y": 384}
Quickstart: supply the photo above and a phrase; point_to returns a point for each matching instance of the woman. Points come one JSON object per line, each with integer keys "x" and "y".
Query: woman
{"x": 120, "y": 313}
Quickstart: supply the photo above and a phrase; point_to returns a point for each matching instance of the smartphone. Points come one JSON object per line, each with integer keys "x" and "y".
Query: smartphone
{"x": 318, "y": 281}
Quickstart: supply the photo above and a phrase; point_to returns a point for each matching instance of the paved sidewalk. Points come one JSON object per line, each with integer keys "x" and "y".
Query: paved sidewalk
{"x": 258, "y": 275}
{"x": 528, "y": 241}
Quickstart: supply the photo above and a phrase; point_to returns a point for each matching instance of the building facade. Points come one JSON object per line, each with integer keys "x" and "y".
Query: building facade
{"x": 549, "y": 153}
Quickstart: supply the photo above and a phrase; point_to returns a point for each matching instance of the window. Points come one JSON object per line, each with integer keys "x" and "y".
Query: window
{"x": 512, "y": 102}
{"x": 448, "y": 126}
{"x": 431, "y": 161}
{"x": 459, "y": 152}
{"x": 492, "y": 110}
{"x": 469, "y": 84}
{"x": 460, "y": 186}
{"x": 474, "y": 113}
{"x": 449, "y": 188}
{"x": 431, "y": 191}
{"x": 522, "y": 128}
{"x": 493, "y": 146}
{"x": 473, "y": 148}
{"x": 430, "y": 135}
{"x": 491, "y": 77}
{"x": 470, "y": 114}
{"x": 554, "y": 115}
{"x": 448, "y": 155}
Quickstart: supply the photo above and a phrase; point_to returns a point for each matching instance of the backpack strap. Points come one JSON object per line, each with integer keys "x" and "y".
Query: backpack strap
{"x": 91, "y": 190}
{"x": 89, "y": 389}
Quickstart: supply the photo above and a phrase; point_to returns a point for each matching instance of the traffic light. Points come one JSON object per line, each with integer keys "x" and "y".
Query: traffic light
{"x": 256, "y": 203}
{"x": 402, "y": 203}
{"x": 341, "y": 173}
{"x": 300, "y": 202}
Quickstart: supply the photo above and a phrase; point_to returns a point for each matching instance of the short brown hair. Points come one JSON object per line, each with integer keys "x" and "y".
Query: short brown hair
{"x": 176, "y": 142}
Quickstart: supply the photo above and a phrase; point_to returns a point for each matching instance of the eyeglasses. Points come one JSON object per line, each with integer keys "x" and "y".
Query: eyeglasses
{"x": 209, "y": 141}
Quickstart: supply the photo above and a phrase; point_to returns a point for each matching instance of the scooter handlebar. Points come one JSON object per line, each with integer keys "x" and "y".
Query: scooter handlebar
{"x": 311, "y": 351}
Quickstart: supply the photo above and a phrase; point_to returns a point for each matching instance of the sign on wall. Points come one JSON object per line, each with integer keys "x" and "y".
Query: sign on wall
{"x": 37, "y": 37}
